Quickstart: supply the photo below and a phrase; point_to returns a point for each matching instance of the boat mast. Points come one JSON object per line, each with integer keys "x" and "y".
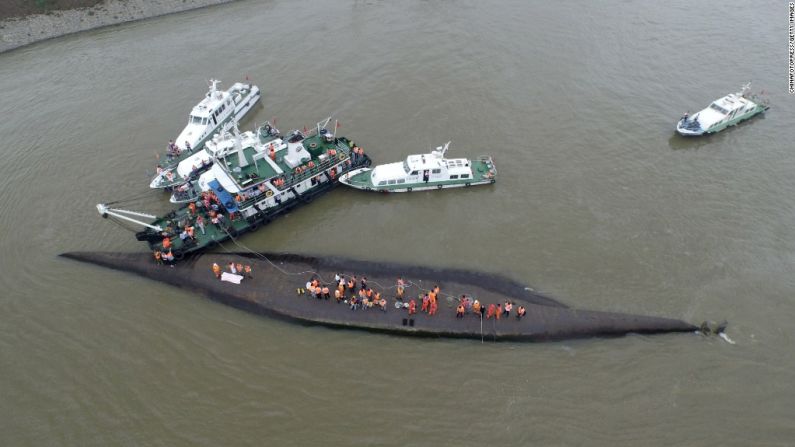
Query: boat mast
{"x": 241, "y": 156}
{"x": 213, "y": 88}
{"x": 104, "y": 211}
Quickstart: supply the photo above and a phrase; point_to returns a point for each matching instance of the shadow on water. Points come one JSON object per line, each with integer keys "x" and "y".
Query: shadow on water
{"x": 678, "y": 142}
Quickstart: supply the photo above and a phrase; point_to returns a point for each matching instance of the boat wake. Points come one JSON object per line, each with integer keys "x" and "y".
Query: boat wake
{"x": 726, "y": 338}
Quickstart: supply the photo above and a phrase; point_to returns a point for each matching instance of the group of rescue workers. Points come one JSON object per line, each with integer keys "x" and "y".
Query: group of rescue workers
{"x": 235, "y": 269}
{"x": 367, "y": 298}
{"x": 206, "y": 208}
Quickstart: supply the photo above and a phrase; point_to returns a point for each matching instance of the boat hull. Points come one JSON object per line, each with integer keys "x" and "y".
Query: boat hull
{"x": 271, "y": 292}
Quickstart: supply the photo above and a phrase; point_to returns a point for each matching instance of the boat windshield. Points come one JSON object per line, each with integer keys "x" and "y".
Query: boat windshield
{"x": 406, "y": 166}
{"x": 194, "y": 120}
{"x": 720, "y": 109}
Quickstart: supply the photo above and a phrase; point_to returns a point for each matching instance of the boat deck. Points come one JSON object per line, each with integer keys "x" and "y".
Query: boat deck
{"x": 213, "y": 234}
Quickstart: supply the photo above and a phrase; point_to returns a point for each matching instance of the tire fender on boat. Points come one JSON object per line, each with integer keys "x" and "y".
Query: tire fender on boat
{"x": 178, "y": 255}
{"x": 408, "y": 189}
{"x": 440, "y": 186}
{"x": 229, "y": 204}
{"x": 468, "y": 184}
{"x": 268, "y": 193}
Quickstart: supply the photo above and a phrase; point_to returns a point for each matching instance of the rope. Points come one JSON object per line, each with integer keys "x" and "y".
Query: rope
{"x": 129, "y": 199}
{"x": 318, "y": 275}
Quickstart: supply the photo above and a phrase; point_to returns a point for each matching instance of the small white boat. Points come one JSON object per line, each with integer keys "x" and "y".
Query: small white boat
{"x": 722, "y": 113}
{"x": 424, "y": 172}
{"x": 217, "y": 112}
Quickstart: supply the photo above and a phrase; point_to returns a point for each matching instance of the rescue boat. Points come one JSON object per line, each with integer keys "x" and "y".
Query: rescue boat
{"x": 722, "y": 113}
{"x": 250, "y": 185}
{"x": 217, "y": 112}
{"x": 424, "y": 172}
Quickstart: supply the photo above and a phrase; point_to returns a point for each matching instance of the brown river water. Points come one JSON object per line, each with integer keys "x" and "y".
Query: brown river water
{"x": 598, "y": 204}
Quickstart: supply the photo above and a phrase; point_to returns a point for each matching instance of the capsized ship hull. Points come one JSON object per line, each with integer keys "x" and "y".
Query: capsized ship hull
{"x": 273, "y": 293}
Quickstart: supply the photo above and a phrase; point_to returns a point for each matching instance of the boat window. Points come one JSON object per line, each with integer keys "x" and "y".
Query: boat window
{"x": 195, "y": 120}
{"x": 453, "y": 177}
{"x": 392, "y": 182}
{"x": 382, "y": 183}
{"x": 413, "y": 172}
{"x": 401, "y": 180}
{"x": 720, "y": 109}
{"x": 464, "y": 175}
{"x": 436, "y": 171}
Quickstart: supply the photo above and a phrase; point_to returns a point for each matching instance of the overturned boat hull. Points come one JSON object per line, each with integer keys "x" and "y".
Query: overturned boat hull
{"x": 273, "y": 291}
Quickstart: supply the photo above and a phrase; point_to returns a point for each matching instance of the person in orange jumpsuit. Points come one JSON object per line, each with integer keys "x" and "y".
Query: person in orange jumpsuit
{"x": 459, "y": 312}
{"x": 490, "y": 311}
{"x": 426, "y": 301}
{"x": 434, "y": 307}
{"x": 412, "y": 307}
{"x": 217, "y": 270}
{"x": 498, "y": 312}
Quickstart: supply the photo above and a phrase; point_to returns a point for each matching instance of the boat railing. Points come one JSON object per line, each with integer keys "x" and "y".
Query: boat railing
{"x": 489, "y": 161}
{"x": 318, "y": 169}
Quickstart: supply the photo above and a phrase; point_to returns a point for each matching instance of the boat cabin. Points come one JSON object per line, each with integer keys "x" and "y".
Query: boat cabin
{"x": 213, "y": 110}
{"x": 423, "y": 168}
{"x": 724, "y": 110}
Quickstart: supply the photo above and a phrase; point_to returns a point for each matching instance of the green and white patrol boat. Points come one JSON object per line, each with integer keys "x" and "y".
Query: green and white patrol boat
{"x": 247, "y": 187}
{"x": 216, "y": 113}
{"x": 722, "y": 113}
{"x": 424, "y": 172}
